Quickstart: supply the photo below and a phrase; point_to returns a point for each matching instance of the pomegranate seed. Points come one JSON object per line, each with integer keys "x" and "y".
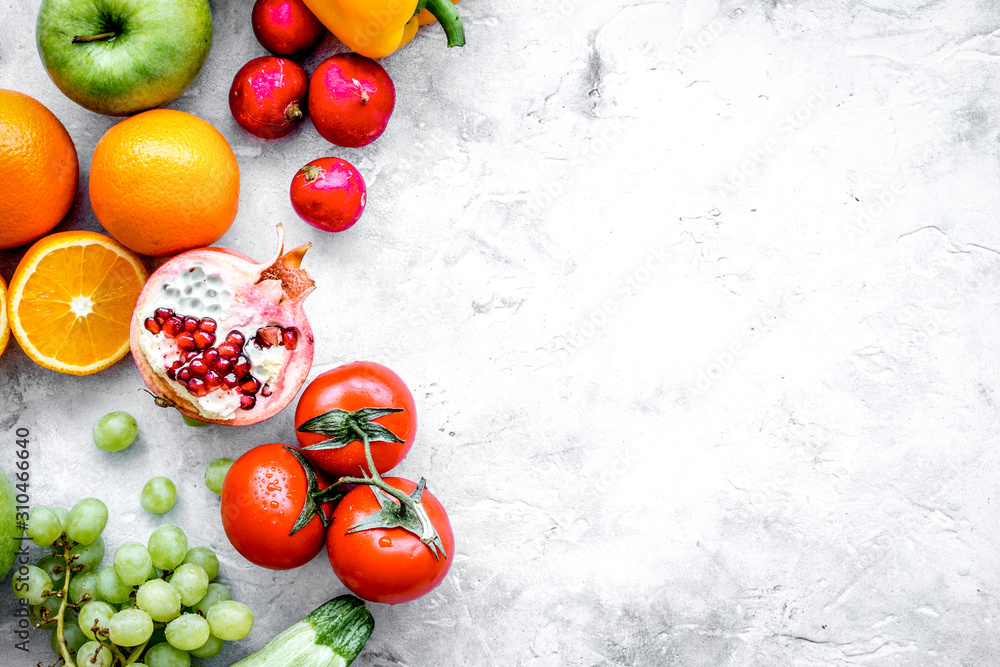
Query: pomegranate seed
{"x": 208, "y": 324}
{"x": 203, "y": 339}
{"x": 182, "y": 383}
{"x": 191, "y": 324}
{"x": 171, "y": 373}
{"x": 185, "y": 341}
{"x": 236, "y": 338}
{"x": 290, "y": 338}
{"x": 198, "y": 367}
{"x": 229, "y": 350}
{"x": 163, "y": 314}
{"x": 197, "y": 387}
{"x": 265, "y": 391}
{"x": 212, "y": 380}
{"x": 152, "y": 326}
{"x": 268, "y": 336}
{"x": 230, "y": 380}
{"x": 173, "y": 326}
{"x": 249, "y": 385}
{"x": 247, "y": 402}
{"x": 188, "y": 356}
{"x": 242, "y": 366}
{"x": 183, "y": 375}
{"x": 211, "y": 356}
{"x": 177, "y": 364}
{"x": 223, "y": 365}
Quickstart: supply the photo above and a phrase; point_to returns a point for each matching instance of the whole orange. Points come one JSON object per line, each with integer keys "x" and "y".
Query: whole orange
{"x": 164, "y": 181}
{"x": 39, "y": 169}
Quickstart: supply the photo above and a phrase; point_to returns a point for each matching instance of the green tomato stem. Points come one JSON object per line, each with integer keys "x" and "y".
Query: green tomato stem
{"x": 406, "y": 503}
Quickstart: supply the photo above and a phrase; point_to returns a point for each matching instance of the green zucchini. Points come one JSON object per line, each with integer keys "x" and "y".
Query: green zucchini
{"x": 331, "y": 636}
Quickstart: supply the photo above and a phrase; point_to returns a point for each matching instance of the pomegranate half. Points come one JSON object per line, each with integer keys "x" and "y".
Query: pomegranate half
{"x": 223, "y": 339}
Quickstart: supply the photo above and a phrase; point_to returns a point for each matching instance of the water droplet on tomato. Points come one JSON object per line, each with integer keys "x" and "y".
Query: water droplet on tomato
{"x": 274, "y": 504}
{"x": 384, "y": 542}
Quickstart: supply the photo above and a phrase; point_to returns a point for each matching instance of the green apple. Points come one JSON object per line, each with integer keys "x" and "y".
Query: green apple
{"x": 119, "y": 57}
{"x": 10, "y": 533}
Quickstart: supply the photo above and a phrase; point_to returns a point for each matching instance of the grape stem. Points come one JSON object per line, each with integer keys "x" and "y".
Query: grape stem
{"x": 61, "y": 614}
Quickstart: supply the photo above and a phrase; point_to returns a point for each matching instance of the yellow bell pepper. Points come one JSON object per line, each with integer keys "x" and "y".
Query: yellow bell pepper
{"x": 376, "y": 28}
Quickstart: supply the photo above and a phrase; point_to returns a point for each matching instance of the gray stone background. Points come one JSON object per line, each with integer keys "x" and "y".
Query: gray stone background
{"x": 698, "y": 301}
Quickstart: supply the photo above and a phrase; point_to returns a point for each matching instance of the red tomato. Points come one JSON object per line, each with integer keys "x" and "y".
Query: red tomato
{"x": 262, "y": 496}
{"x": 362, "y": 384}
{"x": 389, "y": 565}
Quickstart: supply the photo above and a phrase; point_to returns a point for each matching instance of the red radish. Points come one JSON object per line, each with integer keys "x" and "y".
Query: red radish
{"x": 268, "y": 96}
{"x": 352, "y": 99}
{"x": 286, "y": 27}
{"x": 329, "y": 194}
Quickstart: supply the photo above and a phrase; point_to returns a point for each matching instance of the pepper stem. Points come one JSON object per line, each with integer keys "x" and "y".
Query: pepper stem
{"x": 446, "y": 14}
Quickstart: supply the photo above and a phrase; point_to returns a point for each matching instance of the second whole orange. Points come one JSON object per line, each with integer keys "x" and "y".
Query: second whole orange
{"x": 39, "y": 170}
{"x": 164, "y": 181}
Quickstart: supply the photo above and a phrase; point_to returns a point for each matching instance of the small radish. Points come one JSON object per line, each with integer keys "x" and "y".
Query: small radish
{"x": 286, "y": 27}
{"x": 329, "y": 194}
{"x": 352, "y": 99}
{"x": 268, "y": 96}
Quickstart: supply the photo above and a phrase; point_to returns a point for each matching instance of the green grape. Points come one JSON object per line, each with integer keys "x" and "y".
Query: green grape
{"x": 187, "y": 632}
{"x": 230, "y": 620}
{"x": 93, "y": 654}
{"x": 168, "y": 545}
{"x": 111, "y": 587}
{"x": 72, "y": 632}
{"x": 115, "y": 431}
{"x": 209, "y": 649}
{"x": 88, "y": 556}
{"x": 193, "y": 422}
{"x": 130, "y": 627}
{"x": 81, "y": 585}
{"x": 191, "y": 582}
{"x": 44, "y": 526}
{"x": 215, "y": 593}
{"x": 215, "y": 474}
{"x": 165, "y": 655}
{"x": 31, "y": 583}
{"x": 55, "y": 567}
{"x": 159, "y": 599}
{"x": 158, "y": 496}
{"x": 87, "y": 520}
{"x": 63, "y": 515}
{"x": 94, "y": 612}
{"x": 206, "y": 558}
{"x": 133, "y": 563}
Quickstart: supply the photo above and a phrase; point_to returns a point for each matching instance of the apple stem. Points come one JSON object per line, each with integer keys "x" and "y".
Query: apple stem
{"x": 100, "y": 37}
{"x": 361, "y": 91}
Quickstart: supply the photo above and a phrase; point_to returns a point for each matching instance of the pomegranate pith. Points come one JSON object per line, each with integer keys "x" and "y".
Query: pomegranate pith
{"x": 258, "y": 366}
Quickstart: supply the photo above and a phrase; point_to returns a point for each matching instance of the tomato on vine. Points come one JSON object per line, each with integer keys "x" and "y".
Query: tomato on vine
{"x": 375, "y": 547}
{"x": 269, "y": 511}
{"x": 354, "y": 399}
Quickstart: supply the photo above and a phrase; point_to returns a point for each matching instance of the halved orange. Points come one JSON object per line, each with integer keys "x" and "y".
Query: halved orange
{"x": 71, "y": 299}
{"x": 4, "y": 325}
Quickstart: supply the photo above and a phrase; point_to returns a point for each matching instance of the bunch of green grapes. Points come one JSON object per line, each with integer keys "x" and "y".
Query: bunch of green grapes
{"x": 155, "y": 605}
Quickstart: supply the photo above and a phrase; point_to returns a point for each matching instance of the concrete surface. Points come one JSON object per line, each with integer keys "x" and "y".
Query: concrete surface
{"x": 698, "y": 301}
